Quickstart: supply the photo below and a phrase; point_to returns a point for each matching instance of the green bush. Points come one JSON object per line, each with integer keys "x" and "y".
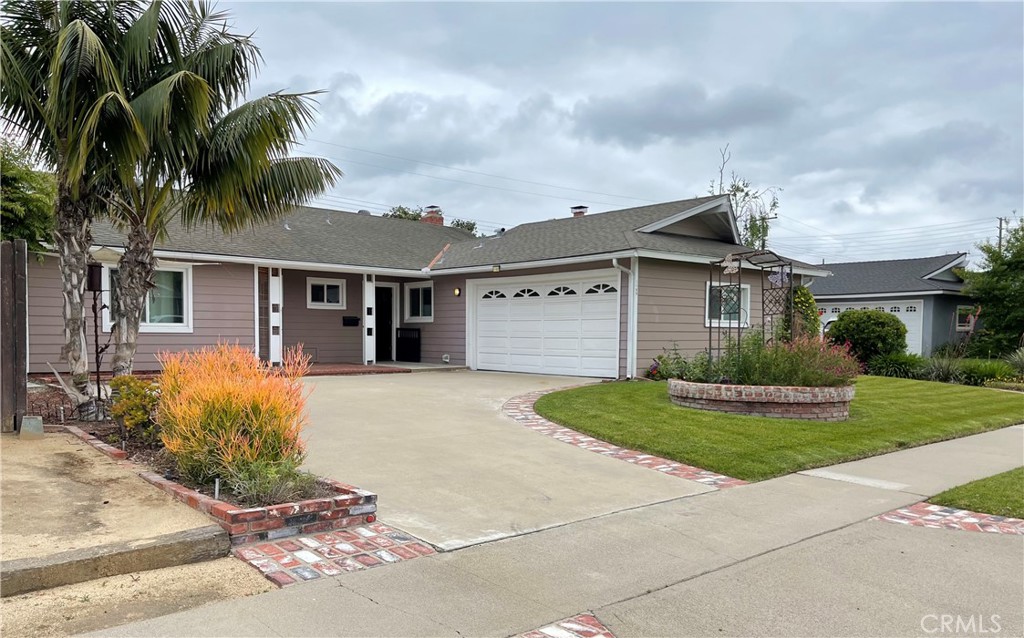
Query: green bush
{"x": 944, "y": 369}
{"x": 806, "y": 361}
{"x": 134, "y": 406}
{"x": 808, "y": 322}
{"x": 262, "y": 482}
{"x": 902, "y": 365}
{"x": 869, "y": 333}
{"x": 670, "y": 364}
{"x": 1016, "y": 360}
{"x": 980, "y": 371}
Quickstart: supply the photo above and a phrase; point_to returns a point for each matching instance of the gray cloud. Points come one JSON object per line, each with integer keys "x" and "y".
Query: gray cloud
{"x": 680, "y": 112}
{"x": 869, "y": 116}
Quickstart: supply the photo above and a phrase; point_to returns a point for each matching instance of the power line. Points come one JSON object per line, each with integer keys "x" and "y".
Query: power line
{"x": 472, "y": 172}
{"x": 459, "y": 181}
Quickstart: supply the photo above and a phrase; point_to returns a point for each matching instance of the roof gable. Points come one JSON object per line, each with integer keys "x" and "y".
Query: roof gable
{"x": 715, "y": 215}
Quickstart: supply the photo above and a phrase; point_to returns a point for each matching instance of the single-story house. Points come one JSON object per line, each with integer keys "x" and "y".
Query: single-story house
{"x": 589, "y": 295}
{"x": 925, "y": 293}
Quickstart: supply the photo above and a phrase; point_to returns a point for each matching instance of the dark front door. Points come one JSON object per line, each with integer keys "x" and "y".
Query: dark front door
{"x": 384, "y": 300}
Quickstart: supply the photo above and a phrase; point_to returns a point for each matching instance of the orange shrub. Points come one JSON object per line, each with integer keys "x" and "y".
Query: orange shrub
{"x": 222, "y": 411}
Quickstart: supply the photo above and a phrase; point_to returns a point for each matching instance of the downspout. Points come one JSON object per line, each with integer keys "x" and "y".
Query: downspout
{"x": 631, "y": 309}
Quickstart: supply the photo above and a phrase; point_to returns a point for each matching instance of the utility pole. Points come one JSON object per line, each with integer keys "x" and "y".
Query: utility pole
{"x": 1002, "y": 220}
{"x": 764, "y": 228}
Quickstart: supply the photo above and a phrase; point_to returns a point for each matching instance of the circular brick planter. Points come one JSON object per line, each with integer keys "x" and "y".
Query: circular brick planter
{"x": 783, "y": 402}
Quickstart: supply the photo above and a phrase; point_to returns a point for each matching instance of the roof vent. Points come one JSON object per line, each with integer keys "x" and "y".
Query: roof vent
{"x": 579, "y": 211}
{"x": 363, "y": 211}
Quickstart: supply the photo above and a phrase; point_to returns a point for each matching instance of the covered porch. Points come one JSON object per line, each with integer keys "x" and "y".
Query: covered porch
{"x": 348, "y": 321}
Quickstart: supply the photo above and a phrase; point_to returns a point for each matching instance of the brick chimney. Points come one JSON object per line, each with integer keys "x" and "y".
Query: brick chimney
{"x": 579, "y": 211}
{"x": 432, "y": 215}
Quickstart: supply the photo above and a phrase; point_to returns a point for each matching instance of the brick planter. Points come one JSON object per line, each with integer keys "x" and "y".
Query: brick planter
{"x": 349, "y": 507}
{"x": 783, "y": 402}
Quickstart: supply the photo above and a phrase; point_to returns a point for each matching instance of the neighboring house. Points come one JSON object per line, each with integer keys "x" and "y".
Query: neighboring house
{"x": 924, "y": 293}
{"x": 589, "y": 295}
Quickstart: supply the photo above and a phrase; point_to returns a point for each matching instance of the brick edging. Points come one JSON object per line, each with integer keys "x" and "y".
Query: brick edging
{"x": 107, "y": 449}
{"x": 351, "y": 506}
{"x": 925, "y": 514}
{"x": 521, "y": 410}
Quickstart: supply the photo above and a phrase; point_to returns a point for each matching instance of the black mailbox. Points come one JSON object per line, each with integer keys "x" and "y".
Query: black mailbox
{"x": 350, "y": 321}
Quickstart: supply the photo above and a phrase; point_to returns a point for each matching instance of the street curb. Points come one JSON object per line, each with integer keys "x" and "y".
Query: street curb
{"x": 24, "y": 575}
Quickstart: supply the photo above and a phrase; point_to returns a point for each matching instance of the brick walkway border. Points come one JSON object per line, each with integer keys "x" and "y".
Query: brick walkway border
{"x": 580, "y": 626}
{"x": 938, "y": 517}
{"x": 521, "y": 410}
{"x": 288, "y": 561}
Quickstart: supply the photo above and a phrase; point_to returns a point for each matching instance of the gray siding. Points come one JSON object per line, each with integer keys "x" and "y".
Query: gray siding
{"x": 223, "y": 310}
{"x": 670, "y": 307}
{"x": 940, "y": 320}
{"x": 319, "y": 330}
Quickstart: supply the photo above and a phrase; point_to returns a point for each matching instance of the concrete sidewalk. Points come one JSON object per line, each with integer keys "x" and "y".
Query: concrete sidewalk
{"x": 713, "y": 563}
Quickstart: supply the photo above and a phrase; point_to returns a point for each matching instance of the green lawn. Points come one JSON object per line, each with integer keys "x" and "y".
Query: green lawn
{"x": 886, "y": 414}
{"x": 1002, "y": 495}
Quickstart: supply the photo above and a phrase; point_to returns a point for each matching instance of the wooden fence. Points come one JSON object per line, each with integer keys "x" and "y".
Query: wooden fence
{"x": 13, "y": 333}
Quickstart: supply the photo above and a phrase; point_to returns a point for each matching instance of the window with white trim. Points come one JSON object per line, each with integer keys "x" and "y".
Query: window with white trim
{"x": 419, "y": 302}
{"x": 727, "y": 305}
{"x": 964, "y": 318}
{"x": 325, "y": 294}
{"x": 168, "y": 306}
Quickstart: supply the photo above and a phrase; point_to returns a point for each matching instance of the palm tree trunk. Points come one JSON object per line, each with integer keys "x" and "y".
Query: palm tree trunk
{"x": 134, "y": 279}
{"x": 72, "y": 240}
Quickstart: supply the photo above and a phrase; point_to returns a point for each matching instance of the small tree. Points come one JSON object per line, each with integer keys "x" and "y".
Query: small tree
{"x": 405, "y": 212}
{"x": 26, "y": 198}
{"x": 464, "y": 224}
{"x": 754, "y": 207}
{"x": 870, "y": 333}
{"x": 999, "y": 291}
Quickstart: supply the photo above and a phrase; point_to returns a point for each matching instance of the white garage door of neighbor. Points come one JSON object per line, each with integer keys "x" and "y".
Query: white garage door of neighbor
{"x": 911, "y": 313}
{"x": 566, "y": 326}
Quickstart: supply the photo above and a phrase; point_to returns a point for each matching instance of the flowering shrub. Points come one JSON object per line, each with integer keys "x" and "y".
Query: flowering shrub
{"x": 134, "y": 402}
{"x": 224, "y": 413}
{"x": 805, "y": 361}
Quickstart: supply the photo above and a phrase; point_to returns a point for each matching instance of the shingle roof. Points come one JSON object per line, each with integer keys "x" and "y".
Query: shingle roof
{"x": 324, "y": 236}
{"x": 314, "y": 235}
{"x": 574, "y": 237}
{"x": 889, "y": 276}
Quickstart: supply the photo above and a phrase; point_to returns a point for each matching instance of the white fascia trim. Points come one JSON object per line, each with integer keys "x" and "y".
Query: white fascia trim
{"x": 525, "y": 265}
{"x": 283, "y": 263}
{"x": 695, "y": 259}
{"x": 873, "y": 295}
{"x": 686, "y": 214}
{"x": 956, "y": 262}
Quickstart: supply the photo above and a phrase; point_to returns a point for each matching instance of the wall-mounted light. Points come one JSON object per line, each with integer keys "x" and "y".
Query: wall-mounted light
{"x": 495, "y": 268}
{"x": 458, "y": 292}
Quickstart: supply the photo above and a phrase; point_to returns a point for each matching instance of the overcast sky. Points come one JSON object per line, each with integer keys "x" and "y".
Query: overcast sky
{"x": 893, "y": 130}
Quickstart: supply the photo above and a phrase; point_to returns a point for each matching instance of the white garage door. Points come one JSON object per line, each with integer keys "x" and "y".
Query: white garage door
{"x": 909, "y": 312}
{"x": 568, "y": 326}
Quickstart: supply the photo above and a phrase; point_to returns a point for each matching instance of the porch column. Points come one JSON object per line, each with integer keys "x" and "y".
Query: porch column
{"x": 276, "y": 350}
{"x": 369, "y": 319}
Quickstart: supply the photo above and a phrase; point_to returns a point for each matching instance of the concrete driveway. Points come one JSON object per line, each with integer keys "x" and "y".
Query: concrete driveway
{"x": 451, "y": 469}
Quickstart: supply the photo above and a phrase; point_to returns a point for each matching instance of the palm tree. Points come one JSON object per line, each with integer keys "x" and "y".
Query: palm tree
{"x": 63, "y": 98}
{"x": 207, "y": 160}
